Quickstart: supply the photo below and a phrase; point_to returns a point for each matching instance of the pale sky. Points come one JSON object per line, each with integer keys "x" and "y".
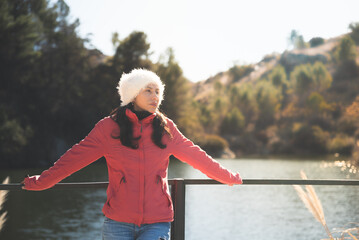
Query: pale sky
{"x": 210, "y": 36}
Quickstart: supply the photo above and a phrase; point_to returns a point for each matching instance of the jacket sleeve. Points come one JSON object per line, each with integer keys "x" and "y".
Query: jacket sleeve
{"x": 91, "y": 148}
{"x": 184, "y": 149}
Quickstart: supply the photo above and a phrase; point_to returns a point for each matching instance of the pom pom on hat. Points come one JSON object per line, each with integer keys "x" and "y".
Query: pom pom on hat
{"x": 132, "y": 83}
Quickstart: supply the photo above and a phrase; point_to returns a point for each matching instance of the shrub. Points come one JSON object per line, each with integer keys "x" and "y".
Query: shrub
{"x": 268, "y": 99}
{"x": 300, "y": 43}
{"x": 213, "y": 144}
{"x": 13, "y": 136}
{"x": 342, "y": 144}
{"x": 317, "y": 103}
{"x": 309, "y": 139}
{"x": 278, "y": 77}
{"x": 310, "y": 77}
{"x": 346, "y": 50}
{"x": 237, "y": 72}
{"x": 302, "y": 78}
{"x": 316, "y": 41}
{"x": 354, "y": 27}
{"x": 233, "y": 123}
{"x": 347, "y": 124}
{"x": 322, "y": 78}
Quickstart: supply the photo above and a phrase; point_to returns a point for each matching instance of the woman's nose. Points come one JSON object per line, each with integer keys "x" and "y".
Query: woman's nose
{"x": 155, "y": 96}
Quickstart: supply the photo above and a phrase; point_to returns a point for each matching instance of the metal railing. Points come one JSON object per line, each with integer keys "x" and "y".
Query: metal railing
{"x": 178, "y": 193}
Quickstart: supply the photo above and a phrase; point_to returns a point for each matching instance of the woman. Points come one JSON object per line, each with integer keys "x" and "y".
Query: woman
{"x": 137, "y": 141}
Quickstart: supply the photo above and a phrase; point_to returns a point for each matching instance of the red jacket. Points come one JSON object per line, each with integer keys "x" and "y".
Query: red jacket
{"x": 138, "y": 190}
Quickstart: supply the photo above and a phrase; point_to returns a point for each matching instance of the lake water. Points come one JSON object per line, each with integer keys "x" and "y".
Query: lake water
{"x": 212, "y": 211}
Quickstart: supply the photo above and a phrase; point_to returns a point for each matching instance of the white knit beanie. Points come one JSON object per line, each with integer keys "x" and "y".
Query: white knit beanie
{"x": 132, "y": 83}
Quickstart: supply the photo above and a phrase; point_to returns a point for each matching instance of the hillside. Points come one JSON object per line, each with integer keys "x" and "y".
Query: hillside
{"x": 291, "y": 103}
{"x": 203, "y": 89}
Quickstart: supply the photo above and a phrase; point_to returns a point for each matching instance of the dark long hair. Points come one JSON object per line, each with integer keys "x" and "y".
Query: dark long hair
{"x": 126, "y": 137}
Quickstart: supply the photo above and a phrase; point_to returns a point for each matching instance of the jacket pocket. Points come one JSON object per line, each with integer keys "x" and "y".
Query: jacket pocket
{"x": 115, "y": 187}
{"x": 160, "y": 180}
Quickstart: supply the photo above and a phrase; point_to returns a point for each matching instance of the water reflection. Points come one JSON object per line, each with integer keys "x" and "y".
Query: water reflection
{"x": 343, "y": 165}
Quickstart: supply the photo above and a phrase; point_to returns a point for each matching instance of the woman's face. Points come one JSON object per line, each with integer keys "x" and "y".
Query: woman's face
{"x": 147, "y": 99}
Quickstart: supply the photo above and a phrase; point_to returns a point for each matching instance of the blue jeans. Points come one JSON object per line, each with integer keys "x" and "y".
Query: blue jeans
{"x": 113, "y": 230}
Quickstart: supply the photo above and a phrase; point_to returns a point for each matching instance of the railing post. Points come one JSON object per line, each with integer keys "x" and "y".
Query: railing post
{"x": 178, "y": 193}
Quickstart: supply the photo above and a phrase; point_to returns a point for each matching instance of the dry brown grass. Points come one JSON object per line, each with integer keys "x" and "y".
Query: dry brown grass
{"x": 3, "y": 194}
{"x": 313, "y": 204}
{"x": 348, "y": 233}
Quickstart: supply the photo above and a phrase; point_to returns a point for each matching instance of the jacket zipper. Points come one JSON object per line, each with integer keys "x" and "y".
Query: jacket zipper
{"x": 142, "y": 180}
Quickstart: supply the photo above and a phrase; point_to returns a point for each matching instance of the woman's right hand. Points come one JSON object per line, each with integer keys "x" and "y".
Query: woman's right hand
{"x": 29, "y": 182}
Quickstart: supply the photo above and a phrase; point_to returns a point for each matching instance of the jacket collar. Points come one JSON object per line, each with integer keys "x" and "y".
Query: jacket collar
{"x": 133, "y": 118}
